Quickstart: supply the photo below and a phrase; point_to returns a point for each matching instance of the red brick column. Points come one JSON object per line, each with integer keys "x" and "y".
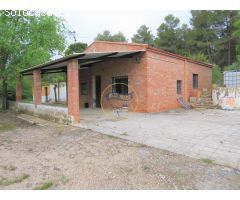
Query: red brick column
{"x": 37, "y": 87}
{"x": 186, "y": 80}
{"x": 73, "y": 91}
{"x": 19, "y": 91}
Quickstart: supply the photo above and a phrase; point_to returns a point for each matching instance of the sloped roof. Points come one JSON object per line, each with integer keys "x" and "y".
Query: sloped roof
{"x": 84, "y": 59}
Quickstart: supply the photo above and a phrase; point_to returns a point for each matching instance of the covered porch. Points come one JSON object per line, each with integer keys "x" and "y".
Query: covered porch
{"x": 73, "y": 66}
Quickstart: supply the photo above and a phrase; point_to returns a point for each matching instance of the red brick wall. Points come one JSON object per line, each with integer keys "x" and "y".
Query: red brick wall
{"x": 154, "y": 79}
{"x": 136, "y": 73}
{"x": 163, "y": 73}
{"x": 99, "y": 46}
{"x": 204, "y": 78}
{"x": 73, "y": 90}
{"x": 86, "y": 77}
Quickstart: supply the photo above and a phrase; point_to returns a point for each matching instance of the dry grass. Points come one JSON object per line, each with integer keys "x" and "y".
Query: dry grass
{"x": 18, "y": 179}
{"x": 207, "y": 161}
{"x": 44, "y": 186}
{"x": 7, "y": 126}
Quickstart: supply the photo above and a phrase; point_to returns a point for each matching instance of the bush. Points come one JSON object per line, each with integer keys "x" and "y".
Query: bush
{"x": 217, "y": 75}
{"x": 199, "y": 57}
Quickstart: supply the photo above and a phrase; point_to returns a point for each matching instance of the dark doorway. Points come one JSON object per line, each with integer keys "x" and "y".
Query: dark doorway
{"x": 46, "y": 94}
{"x": 98, "y": 91}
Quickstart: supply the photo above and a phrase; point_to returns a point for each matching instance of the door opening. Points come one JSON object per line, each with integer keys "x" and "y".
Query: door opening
{"x": 98, "y": 91}
{"x": 46, "y": 94}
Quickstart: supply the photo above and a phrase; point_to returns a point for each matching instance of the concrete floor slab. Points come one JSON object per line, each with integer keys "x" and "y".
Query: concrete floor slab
{"x": 213, "y": 134}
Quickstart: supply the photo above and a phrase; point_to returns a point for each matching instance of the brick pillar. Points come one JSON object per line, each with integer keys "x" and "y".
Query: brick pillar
{"x": 37, "y": 87}
{"x": 186, "y": 80}
{"x": 19, "y": 91}
{"x": 73, "y": 91}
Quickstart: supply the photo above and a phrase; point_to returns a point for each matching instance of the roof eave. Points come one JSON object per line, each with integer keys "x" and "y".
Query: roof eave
{"x": 73, "y": 56}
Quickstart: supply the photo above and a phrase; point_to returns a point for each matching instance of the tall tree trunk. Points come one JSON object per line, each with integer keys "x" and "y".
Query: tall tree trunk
{"x": 4, "y": 93}
{"x": 55, "y": 92}
{"x": 229, "y": 52}
{"x": 58, "y": 92}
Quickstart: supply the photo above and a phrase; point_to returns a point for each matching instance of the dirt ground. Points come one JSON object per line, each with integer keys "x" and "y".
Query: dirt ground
{"x": 53, "y": 156}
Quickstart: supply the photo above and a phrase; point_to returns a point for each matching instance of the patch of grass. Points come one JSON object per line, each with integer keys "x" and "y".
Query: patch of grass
{"x": 7, "y": 126}
{"x": 178, "y": 176}
{"x": 146, "y": 168}
{"x": 46, "y": 185}
{"x": 207, "y": 161}
{"x": 125, "y": 134}
{"x": 27, "y": 100}
{"x": 1, "y": 110}
{"x": 18, "y": 179}
{"x": 112, "y": 136}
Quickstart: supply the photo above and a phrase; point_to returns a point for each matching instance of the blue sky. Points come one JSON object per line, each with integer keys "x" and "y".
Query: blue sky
{"x": 88, "y": 24}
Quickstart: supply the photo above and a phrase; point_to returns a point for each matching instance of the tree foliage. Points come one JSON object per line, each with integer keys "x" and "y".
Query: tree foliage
{"x": 236, "y": 34}
{"x": 107, "y": 36}
{"x": 27, "y": 41}
{"x": 211, "y": 34}
{"x": 168, "y": 35}
{"x": 199, "y": 57}
{"x": 217, "y": 75}
{"x": 78, "y": 47}
{"x": 143, "y": 35}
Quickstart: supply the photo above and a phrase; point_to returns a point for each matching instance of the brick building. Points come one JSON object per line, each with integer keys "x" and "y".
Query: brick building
{"x": 155, "y": 77}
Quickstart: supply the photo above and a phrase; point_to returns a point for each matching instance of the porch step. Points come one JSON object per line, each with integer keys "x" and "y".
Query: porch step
{"x": 185, "y": 104}
{"x": 205, "y": 100}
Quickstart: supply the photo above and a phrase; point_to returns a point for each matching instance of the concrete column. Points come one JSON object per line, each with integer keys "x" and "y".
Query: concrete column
{"x": 19, "y": 91}
{"x": 186, "y": 80}
{"x": 73, "y": 91}
{"x": 37, "y": 87}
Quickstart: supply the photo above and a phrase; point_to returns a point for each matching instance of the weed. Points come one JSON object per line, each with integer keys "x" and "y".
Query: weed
{"x": 178, "y": 176}
{"x": 19, "y": 179}
{"x": 146, "y": 168}
{"x": 112, "y": 136}
{"x": 125, "y": 134}
{"x": 207, "y": 161}
{"x": 44, "y": 186}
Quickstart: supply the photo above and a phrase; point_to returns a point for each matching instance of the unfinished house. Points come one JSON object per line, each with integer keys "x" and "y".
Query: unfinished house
{"x": 154, "y": 77}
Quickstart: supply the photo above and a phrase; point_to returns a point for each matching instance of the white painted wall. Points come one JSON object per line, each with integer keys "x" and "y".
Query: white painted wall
{"x": 51, "y": 97}
{"x": 226, "y": 98}
{"x": 59, "y": 114}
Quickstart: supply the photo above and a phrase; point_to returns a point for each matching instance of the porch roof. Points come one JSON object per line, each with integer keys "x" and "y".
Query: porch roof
{"x": 84, "y": 60}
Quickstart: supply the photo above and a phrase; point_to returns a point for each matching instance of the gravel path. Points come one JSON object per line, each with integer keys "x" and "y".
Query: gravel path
{"x": 51, "y": 156}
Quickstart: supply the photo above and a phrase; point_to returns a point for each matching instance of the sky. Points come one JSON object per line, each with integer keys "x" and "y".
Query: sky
{"x": 88, "y": 24}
